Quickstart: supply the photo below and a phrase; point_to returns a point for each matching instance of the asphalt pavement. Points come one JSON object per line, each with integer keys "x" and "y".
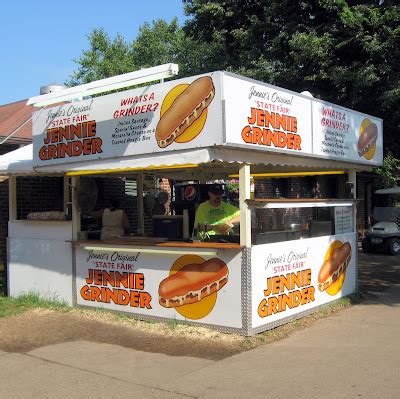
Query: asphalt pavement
{"x": 355, "y": 353}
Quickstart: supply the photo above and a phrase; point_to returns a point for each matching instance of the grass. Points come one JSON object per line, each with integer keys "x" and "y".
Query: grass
{"x": 14, "y": 306}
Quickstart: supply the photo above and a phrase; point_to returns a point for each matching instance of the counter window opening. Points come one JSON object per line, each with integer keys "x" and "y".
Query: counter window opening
{"x": 290, "y": 222}
{"x": 309, "y": 207}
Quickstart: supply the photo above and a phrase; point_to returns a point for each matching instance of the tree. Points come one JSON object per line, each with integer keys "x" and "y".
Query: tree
{"x": 157, "y": 43}
{"x": 161, "y": 43}
{"x": 342, "y": 51}
{"x": 388, "y": 170}
{"x": 105, "y": 58}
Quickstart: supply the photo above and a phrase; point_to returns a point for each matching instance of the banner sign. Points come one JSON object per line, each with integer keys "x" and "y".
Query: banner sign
{"x": 295, "y": 276}
{"x": 189, "y": 113}
{"x": 175, "y": 115}
{"x": 340, "y": 133}
{"x": 183, "y": 287}
{"x": 266, "y": 117}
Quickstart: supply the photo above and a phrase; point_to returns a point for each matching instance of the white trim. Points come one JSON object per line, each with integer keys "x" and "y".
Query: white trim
{"x": 245, "y": 215}
{"x": 140, "y": 207}
{"x": 275, "y": 205}
{"x": 150, "y": 251}
{"x": 108, "y": 84}
{"x": 76, "y": 215}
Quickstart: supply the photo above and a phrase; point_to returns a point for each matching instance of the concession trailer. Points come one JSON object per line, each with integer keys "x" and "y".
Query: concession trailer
{"x": 293, "y": 253}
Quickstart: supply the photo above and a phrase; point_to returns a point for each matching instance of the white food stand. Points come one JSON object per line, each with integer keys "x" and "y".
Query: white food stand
{"x": 248, "y": 127}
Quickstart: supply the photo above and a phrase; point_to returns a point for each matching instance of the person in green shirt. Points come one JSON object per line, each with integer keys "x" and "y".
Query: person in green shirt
{"x": 215, "y": 216}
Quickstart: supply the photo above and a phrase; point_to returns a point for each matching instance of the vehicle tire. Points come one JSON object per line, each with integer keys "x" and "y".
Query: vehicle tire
{"x": 365, "y": 245}
{"x": 393, "y": 246}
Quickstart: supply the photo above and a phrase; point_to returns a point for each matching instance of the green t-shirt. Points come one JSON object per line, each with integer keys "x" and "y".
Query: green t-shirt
{"x": 208, "y": 214}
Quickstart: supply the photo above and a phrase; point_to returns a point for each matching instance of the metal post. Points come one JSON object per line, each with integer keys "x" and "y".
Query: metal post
{"x": 140, "y": 207}
{"x": 66, "y": 198}
{"x": 76, "y": 214}
{"x": 245, "y": 215}
{"x": 352, "y": 179}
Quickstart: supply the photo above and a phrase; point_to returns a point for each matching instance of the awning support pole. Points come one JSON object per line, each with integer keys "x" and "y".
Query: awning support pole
{"x": 12, "y": 198}
{"x": 140, "y": 207}
{"x": 66, "y": 198}
{"x": 76, "y": 214}
{"x": 245, "y": 214}
{"x": 352, "y": 179}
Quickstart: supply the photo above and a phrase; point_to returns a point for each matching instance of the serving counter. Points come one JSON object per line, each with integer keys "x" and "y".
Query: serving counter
{"x": 145, "y": 276}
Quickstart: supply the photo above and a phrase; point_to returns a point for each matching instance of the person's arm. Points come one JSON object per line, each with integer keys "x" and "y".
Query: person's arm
{"x": 96, "y": 214}
{"x": 199, "y": 219}
{"x": 235, "y": 220}
{"x": 228, "y": 222}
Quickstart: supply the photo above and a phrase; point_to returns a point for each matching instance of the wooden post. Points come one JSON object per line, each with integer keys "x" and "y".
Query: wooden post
{"x": 245, "y": 214}
{"x": 140, "y": 207}
{"x": 352, "y": 179}
{"x": 66, "y": 198}
{"x": 12, "y": 198}
{"x": 76, "y": 214}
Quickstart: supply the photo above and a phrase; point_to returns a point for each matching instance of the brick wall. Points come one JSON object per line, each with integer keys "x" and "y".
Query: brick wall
{"x": 39, "y": 194}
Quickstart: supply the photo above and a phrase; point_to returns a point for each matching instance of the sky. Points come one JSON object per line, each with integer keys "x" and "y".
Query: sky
{"x": 39, "y": 40}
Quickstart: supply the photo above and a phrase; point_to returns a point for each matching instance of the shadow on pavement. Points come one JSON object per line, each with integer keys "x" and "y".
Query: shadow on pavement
{"x": 377, "y": 274}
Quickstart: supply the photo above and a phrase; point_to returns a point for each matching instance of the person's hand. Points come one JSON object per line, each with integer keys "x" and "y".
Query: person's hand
{"x": 224, "y": 228}
{"x": 201, "y": 227}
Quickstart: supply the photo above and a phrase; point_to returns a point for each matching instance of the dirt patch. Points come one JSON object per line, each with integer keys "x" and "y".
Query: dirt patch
{"x": 41, "y": 327}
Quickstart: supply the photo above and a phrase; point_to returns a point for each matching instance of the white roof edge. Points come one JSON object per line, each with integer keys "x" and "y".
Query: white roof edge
{"x": 20, "y": 161}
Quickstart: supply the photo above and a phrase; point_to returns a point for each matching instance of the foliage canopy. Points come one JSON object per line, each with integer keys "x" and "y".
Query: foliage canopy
{"x": 346, "y": 52}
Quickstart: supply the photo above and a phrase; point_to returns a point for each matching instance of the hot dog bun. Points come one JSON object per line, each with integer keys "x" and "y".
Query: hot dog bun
{"x": 334, "y": 266}
{"x": 186, "y": 108}
{"x": 192, "y": 283}
{"x": 367, "y": 139}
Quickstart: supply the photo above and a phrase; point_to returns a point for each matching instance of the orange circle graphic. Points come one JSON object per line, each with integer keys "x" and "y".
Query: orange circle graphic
{"x": 193, "y": 311}
{"x": 196, "y": 127}
{"x": 371, "y": 152}
{"x": 338, "y": 284}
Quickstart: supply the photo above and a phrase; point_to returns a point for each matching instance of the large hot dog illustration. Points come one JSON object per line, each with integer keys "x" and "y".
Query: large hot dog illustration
{"x": 192, "y": 283}
{"x": 334, "y": 267}
{"x": 185, "y": 109}
{"x": 366, "y": 145}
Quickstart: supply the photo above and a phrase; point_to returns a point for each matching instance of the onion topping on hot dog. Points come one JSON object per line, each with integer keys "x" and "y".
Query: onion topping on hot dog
{"x": 334, "y": 266}
{"x": 192, "y": 283}
{"x": 186, "y": 108}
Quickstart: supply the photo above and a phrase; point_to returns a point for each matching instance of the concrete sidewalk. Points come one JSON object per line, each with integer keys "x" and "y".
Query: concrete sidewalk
{"x": 354, "y": 353}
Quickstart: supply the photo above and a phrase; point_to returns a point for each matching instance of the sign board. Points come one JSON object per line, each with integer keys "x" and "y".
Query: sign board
{"x": 343, "y": 219}
{"x": 215, "y": 109}
{"x": 175, "y": 115}
{"x": 156, "y": 285}
{"x": 340, "y": 133}
{"x": 266, "y": 117}
{"x": 296, "y": 276}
